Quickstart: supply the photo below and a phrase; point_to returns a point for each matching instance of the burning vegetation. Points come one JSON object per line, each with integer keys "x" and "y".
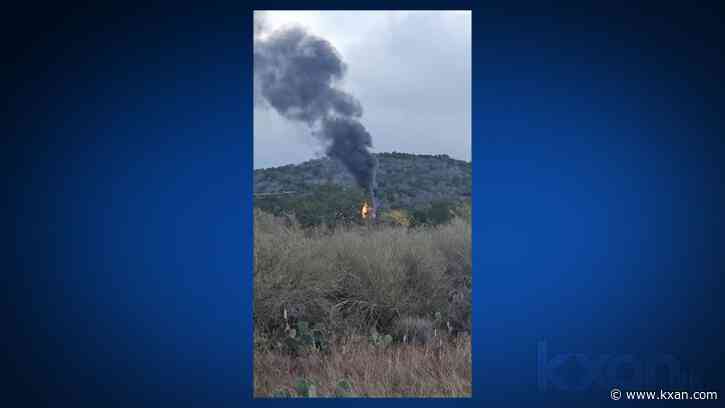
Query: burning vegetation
{"x": 367, "y": 211}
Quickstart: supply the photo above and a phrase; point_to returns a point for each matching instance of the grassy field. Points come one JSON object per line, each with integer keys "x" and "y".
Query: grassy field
{"x": 356, "y": 368}
{"x": 372, "y": 310}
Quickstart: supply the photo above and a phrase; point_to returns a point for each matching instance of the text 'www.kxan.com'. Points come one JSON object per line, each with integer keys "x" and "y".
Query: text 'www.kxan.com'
{"x": 617, "y": 394}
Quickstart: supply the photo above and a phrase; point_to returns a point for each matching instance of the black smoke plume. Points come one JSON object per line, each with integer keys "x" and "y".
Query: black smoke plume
{"x": 296, "y": 74}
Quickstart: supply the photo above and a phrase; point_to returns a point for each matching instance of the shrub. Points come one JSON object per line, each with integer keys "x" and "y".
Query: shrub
{"x": 459, "y": 311}
{"x": 352, "y": 278}
{"x": 413, "y": 330}
{"x": 328, "y": 305}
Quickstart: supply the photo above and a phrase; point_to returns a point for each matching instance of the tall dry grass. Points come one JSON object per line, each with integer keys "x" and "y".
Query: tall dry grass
{"x": 404, "y": 370}
{"x": 351, "y": 280}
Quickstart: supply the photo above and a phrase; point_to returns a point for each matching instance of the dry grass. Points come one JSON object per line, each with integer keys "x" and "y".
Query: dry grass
{"x": 403, "y": 370}
{"x": 389, "y": 280}
{"x": 353, "y": 278}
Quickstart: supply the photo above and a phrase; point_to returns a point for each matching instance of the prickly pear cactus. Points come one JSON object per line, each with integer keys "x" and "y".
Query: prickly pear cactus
{"x": 343, "y": 388}
{"x": 281, "y": 393}
{"x": 304, "y": 339}
{"x": 305, "y": 388}
{"x": 379, "y": 340}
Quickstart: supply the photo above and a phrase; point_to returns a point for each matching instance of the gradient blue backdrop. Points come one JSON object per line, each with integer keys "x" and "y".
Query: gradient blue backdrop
{"x": 598, "y": 200}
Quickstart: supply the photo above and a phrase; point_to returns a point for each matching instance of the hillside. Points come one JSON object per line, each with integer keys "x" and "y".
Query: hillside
{"x": 404, "y": 180}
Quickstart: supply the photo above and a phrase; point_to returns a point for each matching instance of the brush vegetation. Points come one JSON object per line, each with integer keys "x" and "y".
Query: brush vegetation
{"x": 331, "y": 205}
{"x": 404, "y": 180}
{"x": 362, "y": 310}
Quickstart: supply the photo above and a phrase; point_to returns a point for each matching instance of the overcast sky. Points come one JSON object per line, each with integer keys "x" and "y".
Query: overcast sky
{"x": 410, "y": 70}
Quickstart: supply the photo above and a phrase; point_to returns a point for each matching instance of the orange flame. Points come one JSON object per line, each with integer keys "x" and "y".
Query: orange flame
{"x": 365, "y": 210}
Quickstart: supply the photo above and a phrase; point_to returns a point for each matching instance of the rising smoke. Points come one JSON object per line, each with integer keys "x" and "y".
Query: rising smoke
{"x": 296, "y": 73}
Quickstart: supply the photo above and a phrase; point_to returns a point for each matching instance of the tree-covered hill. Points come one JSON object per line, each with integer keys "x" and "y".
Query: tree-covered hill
{"x": 404, "y": 180}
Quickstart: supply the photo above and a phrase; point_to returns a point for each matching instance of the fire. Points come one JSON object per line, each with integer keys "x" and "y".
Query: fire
{"x": 367, "y": 211}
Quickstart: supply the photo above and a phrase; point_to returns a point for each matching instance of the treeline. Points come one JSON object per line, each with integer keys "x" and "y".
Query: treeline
{"x": 333, "y": 206}
{"x": 404, "y": 181}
